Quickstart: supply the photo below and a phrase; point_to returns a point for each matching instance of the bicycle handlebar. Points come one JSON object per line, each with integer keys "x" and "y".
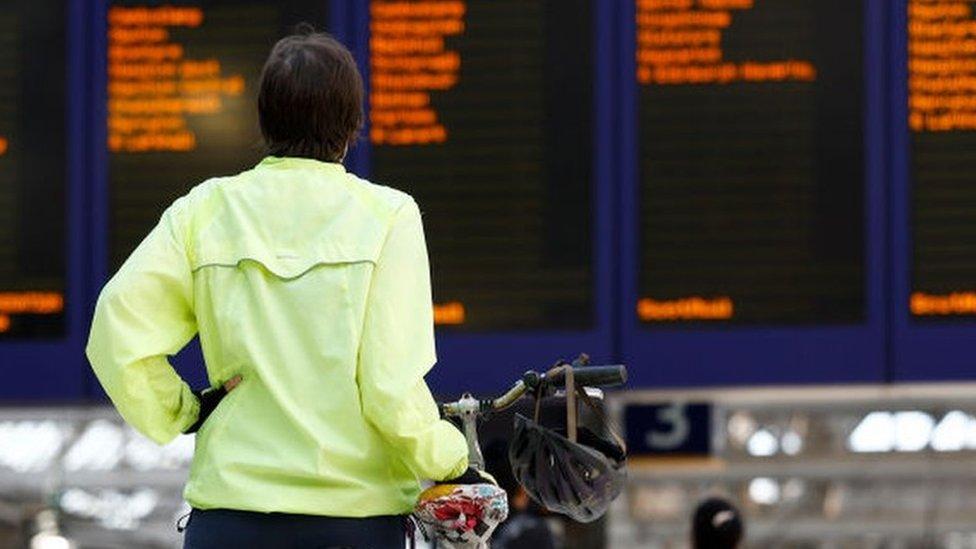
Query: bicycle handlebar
{"x": 585, "y": 376}
{"x": 592, "y": 376}
{"x": 468, "y": 409}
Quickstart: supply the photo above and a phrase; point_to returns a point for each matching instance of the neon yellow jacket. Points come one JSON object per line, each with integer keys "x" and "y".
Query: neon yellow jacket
{"x": 314, "y": 286}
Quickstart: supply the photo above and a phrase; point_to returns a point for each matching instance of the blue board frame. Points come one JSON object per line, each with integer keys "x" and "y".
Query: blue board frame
{"x": 54, "y": 370}
{"x": 672, "y": 356}
{"x": 921, "y": 351}
{"x": 490, "y": 361}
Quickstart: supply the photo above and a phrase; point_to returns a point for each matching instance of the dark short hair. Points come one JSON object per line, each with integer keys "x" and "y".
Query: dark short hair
{"x": 311, "y": 99}
{"x": 716, "y": 524}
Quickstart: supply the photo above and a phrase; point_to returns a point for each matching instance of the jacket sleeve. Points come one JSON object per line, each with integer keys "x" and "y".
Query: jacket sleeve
{"x": 397, "y": 350}
{"x": 144, "y": 314}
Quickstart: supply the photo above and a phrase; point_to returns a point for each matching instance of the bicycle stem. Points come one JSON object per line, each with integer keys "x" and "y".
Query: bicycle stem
{"x": 469, "y": 408}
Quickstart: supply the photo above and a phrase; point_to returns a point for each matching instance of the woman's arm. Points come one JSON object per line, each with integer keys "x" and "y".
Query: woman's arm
{"x": 397, "y": 350}
{"x": 144, "y": 314}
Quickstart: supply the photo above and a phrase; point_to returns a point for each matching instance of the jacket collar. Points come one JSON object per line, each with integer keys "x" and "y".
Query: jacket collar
{"x": 279, "y": 162}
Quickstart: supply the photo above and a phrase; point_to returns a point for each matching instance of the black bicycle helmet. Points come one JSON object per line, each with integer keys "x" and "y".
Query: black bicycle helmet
{"x": 578, "y": 479}
{"x": 574, "y": 472}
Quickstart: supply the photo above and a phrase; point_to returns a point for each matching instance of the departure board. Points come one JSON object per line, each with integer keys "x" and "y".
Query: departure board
{"x": 751, "y": 162}
{"x": 32, "y": 169}
{"x": 483, "y": 111}
{"x": 183, "y": 80}
{"x": 942, "y": 121}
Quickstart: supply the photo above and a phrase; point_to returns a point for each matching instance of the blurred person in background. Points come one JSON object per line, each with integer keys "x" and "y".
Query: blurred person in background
{"x": 716, "y": 524}
{"x": 310, "y": 291}
{"x": 526, "y": 527}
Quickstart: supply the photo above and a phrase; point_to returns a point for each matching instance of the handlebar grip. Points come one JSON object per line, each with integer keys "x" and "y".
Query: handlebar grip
{"x": 593, "y": 376}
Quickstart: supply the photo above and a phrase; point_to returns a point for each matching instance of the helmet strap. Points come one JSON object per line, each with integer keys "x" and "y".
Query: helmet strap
{"x": 598, "y": 410}
{"x": 571, "y": 411}
{"x": 538, "y": 405}
{"x": 572, "y": 408}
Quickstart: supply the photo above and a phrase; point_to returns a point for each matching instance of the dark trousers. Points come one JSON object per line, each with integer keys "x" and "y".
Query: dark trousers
{"x": 220, "y": 528}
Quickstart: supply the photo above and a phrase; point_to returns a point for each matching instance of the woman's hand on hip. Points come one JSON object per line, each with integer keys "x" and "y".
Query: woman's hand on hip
{"x": 209, "y": 399}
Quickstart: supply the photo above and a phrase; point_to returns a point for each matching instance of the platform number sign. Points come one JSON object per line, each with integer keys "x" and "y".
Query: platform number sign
{"x": 669, "y": 429}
